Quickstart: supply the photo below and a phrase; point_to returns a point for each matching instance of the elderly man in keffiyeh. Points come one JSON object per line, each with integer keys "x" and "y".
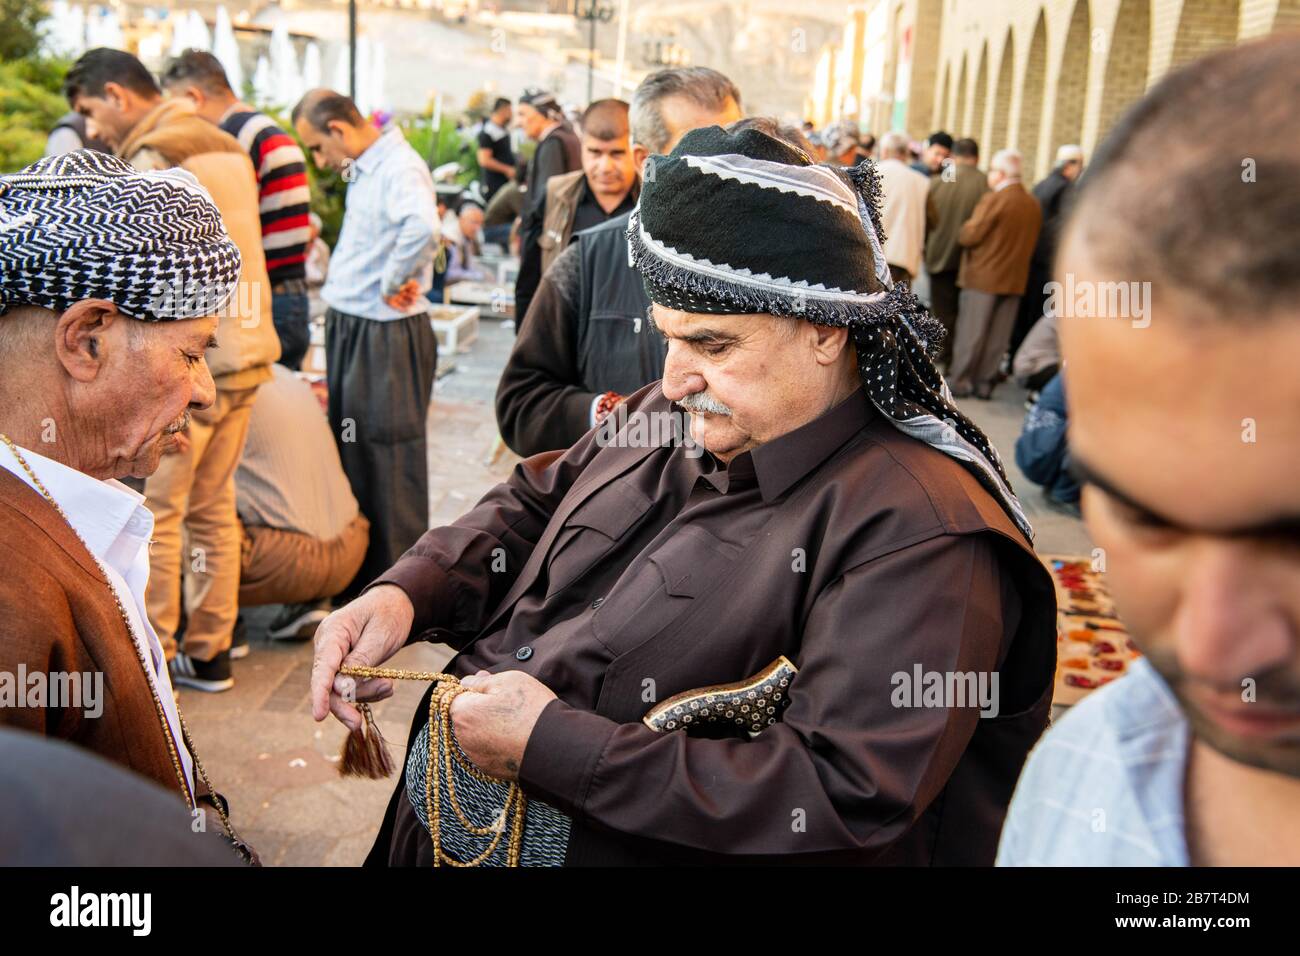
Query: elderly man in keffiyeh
{"x": 832, "y": 512}
{"x": 111, "y": 284}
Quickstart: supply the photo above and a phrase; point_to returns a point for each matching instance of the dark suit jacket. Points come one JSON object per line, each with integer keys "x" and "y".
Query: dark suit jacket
{"x": 1053, "y": 195}
{"x": 850, "y": 548}
{"x": 954, "y": 200}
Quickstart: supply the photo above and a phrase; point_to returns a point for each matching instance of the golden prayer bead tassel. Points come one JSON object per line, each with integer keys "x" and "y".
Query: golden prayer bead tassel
{"x": 365, "y": 752}
{"x": 366, "y": 755}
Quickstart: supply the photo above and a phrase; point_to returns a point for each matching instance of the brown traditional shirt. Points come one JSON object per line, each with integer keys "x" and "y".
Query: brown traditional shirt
{"x": 620, "y": 576}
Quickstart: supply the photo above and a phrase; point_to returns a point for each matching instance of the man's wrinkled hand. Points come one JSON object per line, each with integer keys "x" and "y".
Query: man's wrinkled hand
{"x": 494, "y": 721}
{"x": 365, "y": 632}
{"x": 405, "y": 297}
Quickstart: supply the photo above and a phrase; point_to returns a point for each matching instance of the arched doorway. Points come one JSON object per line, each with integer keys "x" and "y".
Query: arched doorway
{"x": 1128, "y": 53}
{"x": 1031, "y": 97}
{"x": 1071, "y": 85}
{"x": 998, "y": 137}
{"x": 979, "y": 96}
{"x": 941, "y": 107}
{"x": 957, "y": 115}
{"x": 1287, "y": 16}
{"x": 1205, "y": 26}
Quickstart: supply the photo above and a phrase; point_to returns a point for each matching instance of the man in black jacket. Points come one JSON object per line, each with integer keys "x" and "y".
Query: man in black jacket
{"x": 558, "y": 151}
{"x": 1053, "y": 194}
{"x": 586, "y": 342}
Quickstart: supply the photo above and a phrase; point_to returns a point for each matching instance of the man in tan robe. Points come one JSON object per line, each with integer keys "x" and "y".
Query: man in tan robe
{"x": 101, "y": 366}
{"x": 192, "y": 495}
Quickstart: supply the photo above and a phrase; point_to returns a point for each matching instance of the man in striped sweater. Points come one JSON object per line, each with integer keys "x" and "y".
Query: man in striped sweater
{"x": 284, "y": 196}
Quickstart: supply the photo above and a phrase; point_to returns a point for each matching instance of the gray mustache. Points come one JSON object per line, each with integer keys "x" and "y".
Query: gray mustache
{"x": 180, "y": 426}
{"x": 704, "y": 402}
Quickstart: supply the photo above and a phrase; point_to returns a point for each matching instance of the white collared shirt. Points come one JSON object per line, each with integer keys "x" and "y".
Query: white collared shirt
{"x": 116, "y": 526}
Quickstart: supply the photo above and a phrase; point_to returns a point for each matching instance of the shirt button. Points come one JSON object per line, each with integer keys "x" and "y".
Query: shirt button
{"x": 597, "y": 603}
{"x": 523, "y": 653}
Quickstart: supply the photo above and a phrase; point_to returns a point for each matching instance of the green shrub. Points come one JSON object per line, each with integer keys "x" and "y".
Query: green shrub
{"x": 31, "y": 102}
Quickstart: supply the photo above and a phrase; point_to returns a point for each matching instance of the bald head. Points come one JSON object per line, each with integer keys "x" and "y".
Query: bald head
{"x": 893, "y": 145}
{"x": 321, "y": 107}
{"x": 332, "y": 128}
{"x": 1185, "y": 411}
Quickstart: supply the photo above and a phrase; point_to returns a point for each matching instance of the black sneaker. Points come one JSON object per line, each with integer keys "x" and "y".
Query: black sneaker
{"x": 211, "y": 676}
{"x": 297, "y": 622}
{"x": 239, "y": 640}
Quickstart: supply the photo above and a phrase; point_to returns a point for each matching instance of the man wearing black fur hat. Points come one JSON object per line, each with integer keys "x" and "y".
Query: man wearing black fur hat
{"x": 834, "y": 537}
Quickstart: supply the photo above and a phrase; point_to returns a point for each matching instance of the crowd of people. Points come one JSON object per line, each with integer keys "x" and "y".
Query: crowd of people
{"x": 830, "y": 539}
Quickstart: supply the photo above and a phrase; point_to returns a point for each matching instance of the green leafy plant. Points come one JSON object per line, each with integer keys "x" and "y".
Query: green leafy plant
{"x": 31, "y": 102}
{"x": 20, "y": 22}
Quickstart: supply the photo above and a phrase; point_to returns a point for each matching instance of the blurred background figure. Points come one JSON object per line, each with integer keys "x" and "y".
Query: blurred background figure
{"x": 997, "y": 242}
{"x": 501, "y": 217}
{"x": 304, "y": 536}
{"x": 955, "y": 194}
{"x": 318, "y": 255}
{"x": 463, "y": 247}
{"x": 496, "y": 155}
{"x": 381, "y": 353}
{"x": 1038, "y": 357}
{"x": 905, "y": 209}
{"x": 70, "y": 133}
{"x": 558, "y": 152}
{"x": 284, "y": 199}
{"x": 1042, "y": 451}
{"x": 605, "y": 187}
{"x": 938, "y": 147}
{"x": 844, "y": 145}
{"x": 1054, "y": 195}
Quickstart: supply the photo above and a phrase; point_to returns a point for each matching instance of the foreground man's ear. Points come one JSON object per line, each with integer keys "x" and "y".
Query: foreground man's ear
{"x": 829, "y": 342}
{"x": 81, "y": 340}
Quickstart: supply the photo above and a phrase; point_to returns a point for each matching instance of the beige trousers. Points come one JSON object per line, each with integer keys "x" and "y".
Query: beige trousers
{"x": 285, "y": 567}
{"x": 196, "y": 538}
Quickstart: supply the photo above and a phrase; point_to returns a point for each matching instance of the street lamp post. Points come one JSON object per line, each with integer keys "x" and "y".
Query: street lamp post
{"x": 591, "y": 11}
{"x": 352, "y": 49}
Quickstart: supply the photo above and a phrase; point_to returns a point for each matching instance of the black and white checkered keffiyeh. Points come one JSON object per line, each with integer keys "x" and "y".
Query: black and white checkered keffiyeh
{"x": 86, "y": 225}
{"x": 741, "y": 223}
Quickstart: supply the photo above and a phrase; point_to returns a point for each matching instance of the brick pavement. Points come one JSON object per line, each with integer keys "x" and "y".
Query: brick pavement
{"x": 277, "y": 766}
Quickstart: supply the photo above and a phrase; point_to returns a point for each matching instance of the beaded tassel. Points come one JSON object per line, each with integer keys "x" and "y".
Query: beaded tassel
{"x": 365, "y": 753}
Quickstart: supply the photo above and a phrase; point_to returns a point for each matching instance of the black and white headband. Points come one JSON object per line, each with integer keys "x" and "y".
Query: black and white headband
{"x": 737, "y": 223}
{"x": 85, "y": 225}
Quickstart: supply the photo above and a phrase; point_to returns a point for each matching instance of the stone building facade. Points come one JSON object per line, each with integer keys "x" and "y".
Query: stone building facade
{"x": 1029, "y": 74}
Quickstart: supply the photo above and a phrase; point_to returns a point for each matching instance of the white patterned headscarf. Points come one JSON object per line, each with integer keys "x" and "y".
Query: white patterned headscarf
{"x": 85, "y": 225}
{"x": 736, "y": 223}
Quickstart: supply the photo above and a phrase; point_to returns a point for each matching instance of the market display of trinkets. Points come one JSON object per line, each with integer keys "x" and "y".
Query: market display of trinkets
{"x": 1092, "y": 645}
